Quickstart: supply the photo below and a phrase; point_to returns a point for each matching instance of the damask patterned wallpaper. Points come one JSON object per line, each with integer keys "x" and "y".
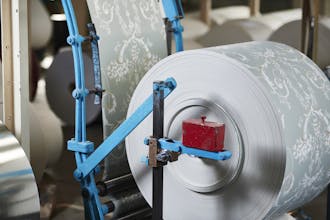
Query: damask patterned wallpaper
{"x": 132, "y": 41}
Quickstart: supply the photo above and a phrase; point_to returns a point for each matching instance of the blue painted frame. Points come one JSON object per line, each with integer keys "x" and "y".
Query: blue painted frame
{"x": 87, "y": 159}
{"x": 174, "y": 12}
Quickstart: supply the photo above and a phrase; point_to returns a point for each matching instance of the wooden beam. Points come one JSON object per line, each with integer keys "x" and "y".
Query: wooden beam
{"x": 205, "y": 11}
{"x": 309, "y": 39}
{"x": 254, "y": 7}
{"x": 20, "y": 57}
{"x": 7, "y": 65}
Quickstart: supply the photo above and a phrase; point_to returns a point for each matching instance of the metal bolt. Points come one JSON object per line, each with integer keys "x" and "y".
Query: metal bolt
{"x": 164, "y": 156}
{"x": 146, "y": 141}
{"x": 77, "y": 174}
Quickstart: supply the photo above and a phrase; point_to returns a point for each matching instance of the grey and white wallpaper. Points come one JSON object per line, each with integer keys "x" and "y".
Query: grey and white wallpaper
{"x": 132, "y": 41}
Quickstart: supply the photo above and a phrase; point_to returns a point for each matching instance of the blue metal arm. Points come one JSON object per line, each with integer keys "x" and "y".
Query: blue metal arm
{"x": 177, "y": 146}
{"x": 174, "y": 12}
{"x": 93, "y": 208}
{"x": 169, "y": 145}
{"x": 84, "y": 169}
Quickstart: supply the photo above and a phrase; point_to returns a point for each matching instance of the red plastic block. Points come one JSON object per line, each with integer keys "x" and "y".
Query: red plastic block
{"x": 203, "y": 135}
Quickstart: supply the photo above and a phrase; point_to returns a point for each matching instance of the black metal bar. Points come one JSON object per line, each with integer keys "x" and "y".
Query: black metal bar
{"x": 158, "y": 132}
{"x": 169, "y": 32}
{"x": 328, "y": 204}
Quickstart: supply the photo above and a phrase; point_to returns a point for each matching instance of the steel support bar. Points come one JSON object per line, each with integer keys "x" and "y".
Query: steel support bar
{"x": 120, "y": 133}
{"x": 174, "y": 12}
{"x": 96, "y": 63}
{"x": 158, "y": 132}
{"x": 310, "y": 18}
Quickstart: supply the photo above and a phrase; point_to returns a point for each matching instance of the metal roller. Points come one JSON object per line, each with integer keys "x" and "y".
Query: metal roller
{"x": 19, "y": 198}
{"x": 275, "y": 103}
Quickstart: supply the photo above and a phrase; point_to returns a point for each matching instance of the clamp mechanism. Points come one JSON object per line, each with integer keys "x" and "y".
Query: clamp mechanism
{"x": 174, "y": 13}
{"x": 168, "y": 150}
{"x": 200, "y": 139}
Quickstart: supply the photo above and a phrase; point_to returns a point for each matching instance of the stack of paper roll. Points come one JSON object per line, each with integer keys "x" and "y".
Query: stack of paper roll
{"x": 257, "y": 28}
{"x": 46, "y": 136}
{"x": 132, "y": 40}
{"x": 60, "y": 82}
{"x": 221, "y": 15}
{"x": 41, "y": 26}
{"x": 193, "y": 26}
{"x": 275, "y": 103}
{"x": 290, "y": 34}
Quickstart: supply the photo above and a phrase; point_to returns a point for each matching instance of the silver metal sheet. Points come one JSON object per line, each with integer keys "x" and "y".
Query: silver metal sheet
{"x": 19, "y": 197}
{"x": 275, "y": 103}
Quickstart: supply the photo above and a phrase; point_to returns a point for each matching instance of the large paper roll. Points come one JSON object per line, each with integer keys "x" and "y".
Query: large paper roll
{"x": 221, "y": 15}
{"x": 46, "y": 136}
{"x": 194, "y": 28}
{"x": 132, "y": 40}
{"x": 60, "y": 82}
{"x": 254, "y": 29}
{"x": 41, "y": 26}
{"x": 290, "y": 34}
{"x": 275, "y": 103}
{"x": 19, "y": 197}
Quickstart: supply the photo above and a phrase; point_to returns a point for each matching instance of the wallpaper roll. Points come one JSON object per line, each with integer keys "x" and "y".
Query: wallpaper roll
{"x": 132, "y": 41}
{"x": 290, "y": 34}
{"x": 41, "y": 26}
{"x": 221, "y": 15}
{"x": 60, "y": 82}
{"x": 46, "y": 140}
{"x": 253, "y": 29}
{"x": 193, "y": 27}
{"x": 275, "y": 103}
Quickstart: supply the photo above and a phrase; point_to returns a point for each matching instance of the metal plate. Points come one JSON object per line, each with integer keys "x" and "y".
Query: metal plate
{"x": 19, "y": 197}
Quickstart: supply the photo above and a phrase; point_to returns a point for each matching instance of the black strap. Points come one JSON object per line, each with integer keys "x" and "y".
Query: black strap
{"x": 169, "y": 32}
{"x": 158, "y": 132}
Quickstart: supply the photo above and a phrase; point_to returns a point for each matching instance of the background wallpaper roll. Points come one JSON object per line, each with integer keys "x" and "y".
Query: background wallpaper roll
{"x": 132, "y": 41}
{"x": 257, "y": 28}
{"x": 275, "y": 103}
{"x": 60, "y": 82}
{"x": 290, "y": 34}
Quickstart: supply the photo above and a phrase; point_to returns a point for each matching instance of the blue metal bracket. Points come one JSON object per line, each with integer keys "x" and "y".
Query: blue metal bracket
{"x": 174, "y": 12}
{"x": 94, "y": 210}
{"x": 177, "y": 146}
{"x": 120, "y": 133}
{"x": 169, "y": 145}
